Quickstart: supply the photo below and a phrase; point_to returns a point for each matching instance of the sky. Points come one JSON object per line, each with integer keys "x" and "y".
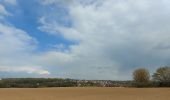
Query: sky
{"x": 83, "y": 39}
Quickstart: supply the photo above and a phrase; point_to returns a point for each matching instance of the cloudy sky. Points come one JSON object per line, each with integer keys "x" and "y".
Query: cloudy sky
{"x": 83, "y": 39}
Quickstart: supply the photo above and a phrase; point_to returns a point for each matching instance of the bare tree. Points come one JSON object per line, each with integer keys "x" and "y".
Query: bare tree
{"x": 141, "y": 75}
{"x": 162, "y": 74}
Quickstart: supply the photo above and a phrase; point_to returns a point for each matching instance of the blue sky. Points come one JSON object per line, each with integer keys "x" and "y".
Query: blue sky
{"x": 26, "y": 18}
{"x": 92, "y": 39}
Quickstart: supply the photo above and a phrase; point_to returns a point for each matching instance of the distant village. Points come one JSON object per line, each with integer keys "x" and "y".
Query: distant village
{"x": 103, "y": 83}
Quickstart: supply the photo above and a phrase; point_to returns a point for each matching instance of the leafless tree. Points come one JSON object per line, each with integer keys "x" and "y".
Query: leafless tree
{"x": 162, "y": 74}
{"x": 141, "y": 75}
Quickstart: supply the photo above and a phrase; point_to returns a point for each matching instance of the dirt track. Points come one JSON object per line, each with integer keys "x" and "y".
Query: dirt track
{"x": 85, "y": 94}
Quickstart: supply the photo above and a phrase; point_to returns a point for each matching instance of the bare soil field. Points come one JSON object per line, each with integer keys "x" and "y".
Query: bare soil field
{"x": 85, "y": 94}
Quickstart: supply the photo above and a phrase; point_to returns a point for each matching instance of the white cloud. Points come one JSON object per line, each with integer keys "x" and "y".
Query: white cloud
{"x": 3, "y": 11}
{"x": 17, "y": 51}
{"x": 114, "y": 37}
{"x": 25, "y": 69}
{"x": 14, "y": 41}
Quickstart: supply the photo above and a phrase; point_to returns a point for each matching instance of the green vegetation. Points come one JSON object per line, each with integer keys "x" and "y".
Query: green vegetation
{"x": 36, "y": 82}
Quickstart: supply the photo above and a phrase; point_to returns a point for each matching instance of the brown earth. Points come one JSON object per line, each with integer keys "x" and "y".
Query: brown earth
{"x": 86, "y": 94}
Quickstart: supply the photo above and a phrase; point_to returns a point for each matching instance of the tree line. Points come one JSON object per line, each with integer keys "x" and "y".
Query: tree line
{"x": 141, "y": 78}
{"x": 161, "y": 78}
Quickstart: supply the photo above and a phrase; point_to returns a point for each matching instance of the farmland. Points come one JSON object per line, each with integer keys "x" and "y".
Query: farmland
{"x": 85, "y": 93}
